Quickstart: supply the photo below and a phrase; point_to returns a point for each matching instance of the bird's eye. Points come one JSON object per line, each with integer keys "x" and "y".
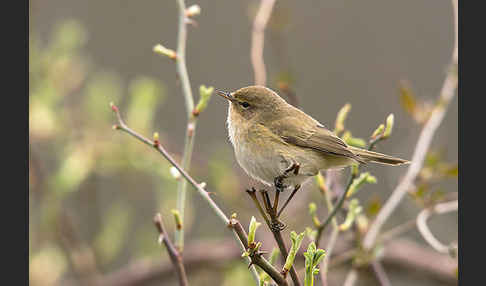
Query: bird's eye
{"x": 245, "y": 104}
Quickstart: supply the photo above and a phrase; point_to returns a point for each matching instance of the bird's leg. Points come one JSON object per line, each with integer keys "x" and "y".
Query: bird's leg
{"x": 297, "y": 187}
{"x": 278, "y": 181}
{"x": 257, "y": 203}
{"x": 274, "y": 223}
{"x": 275, "y": 200}
{"x": 266, "y": 202}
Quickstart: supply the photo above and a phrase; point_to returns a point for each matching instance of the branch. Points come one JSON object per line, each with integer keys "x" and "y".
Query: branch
{"x": 257, "y": 40}
{"x": 256, "y": 257}
{"x": 425, "y": 231}
{"x": 335, "y": 209}
{"x": 174, "y": 255}
{"x": 332, "y": 240}
{"x": 191, "y": 125}
{"x": 447, "y": 93}
{"x": 272, "y": 222}
{"x": 204, "y": 194}
{"x": 380, "y": 273}
{"x": 402, "y": 253}
{"x": 423, "y": 144}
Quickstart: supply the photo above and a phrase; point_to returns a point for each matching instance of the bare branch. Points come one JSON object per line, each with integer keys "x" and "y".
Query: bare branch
{"x": 205, "y": 195}
{"x": 174, "y": 255}
{"x": 424, "y": 229}
{"x": 402, "y": 253}
{"x": 423, "y": 144}
{"x": 380, "y": 273}
{"x": 257, "y": 258}
{"x": 271, "y": 223}
{"x": 351, "y": 277}
{"x": 335, "y": 209}
{"x": 332, "y": 240}
{"x": 191, "y": 125}
{"x": 258, "y": 39}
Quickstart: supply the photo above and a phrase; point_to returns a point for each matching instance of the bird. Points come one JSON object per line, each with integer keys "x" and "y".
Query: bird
{"x": 282, "y": 146}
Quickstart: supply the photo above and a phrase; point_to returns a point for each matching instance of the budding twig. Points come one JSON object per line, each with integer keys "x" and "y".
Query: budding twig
{"x": 205, "y": 195}
{"x": 422, "y": 146}
{"x": 425, "y": 231}
{"x": 174, "y": 254}
{"x": 425, "y": 139}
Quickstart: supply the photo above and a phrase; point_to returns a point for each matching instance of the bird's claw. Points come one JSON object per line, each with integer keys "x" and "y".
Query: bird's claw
{"x": 278, "y": 226}
{"x": 278, "y": 182}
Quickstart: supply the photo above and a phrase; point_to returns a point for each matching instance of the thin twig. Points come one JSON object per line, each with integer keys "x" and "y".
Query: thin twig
{"x": 335, "y": 209}
{"x": 205, "y": 195}
{"x": 351, "y": 277}
{"x": 257, "y": 258}
{"x": 425, "y": 139}
{"x": 80, "y": 255}
{"x": 397, "y": 230}
{"x": 380, "y": 273}
{"x": 423, "y": 144}
{"x": 424, "y": 229}
{"x": 192, "y": 120}
{"x": 402, "y": 253}
{"x": 332, "y": 240}
{"x": 258, "y": 39}
{"x": 174, "y": 254}
{"x": 272, "y": 225}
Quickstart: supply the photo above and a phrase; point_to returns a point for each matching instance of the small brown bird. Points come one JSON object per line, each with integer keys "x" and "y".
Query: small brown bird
{"x": 280, "y": 145}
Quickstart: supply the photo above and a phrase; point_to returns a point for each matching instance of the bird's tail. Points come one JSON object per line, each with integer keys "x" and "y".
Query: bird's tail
{"x": 377, "y": 157}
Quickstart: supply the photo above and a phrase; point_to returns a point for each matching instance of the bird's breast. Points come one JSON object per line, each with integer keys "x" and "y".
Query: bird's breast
{"x": 263, "y": 155}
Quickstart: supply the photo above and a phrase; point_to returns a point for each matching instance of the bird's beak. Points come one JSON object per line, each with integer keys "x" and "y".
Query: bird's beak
{"x": 226, "y": 95}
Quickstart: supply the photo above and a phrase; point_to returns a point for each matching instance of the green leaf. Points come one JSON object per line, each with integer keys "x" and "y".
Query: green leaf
{"x": 358, "y": 183}
{"x": 296, "y": 242}
{"x": 205, "y": 94}
{"x": 252, "y": 230}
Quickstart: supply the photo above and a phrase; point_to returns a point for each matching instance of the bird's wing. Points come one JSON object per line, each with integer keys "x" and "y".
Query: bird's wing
{"x": 309, "y": 133}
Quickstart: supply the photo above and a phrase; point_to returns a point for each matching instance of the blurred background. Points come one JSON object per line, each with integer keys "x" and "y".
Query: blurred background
{"x": 93, "y": 191}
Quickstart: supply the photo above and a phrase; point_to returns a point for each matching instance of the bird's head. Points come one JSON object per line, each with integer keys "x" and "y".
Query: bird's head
{"x": 254, "y": 102}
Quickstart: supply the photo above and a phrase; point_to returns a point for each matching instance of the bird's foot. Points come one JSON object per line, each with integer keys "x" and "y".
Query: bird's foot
{"x": 278, "y": 182}
{"x": 278, "y": 225}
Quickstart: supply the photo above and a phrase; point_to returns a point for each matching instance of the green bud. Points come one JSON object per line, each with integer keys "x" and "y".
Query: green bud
{"x": 310, "y": 233}
{"x": 371, "y": 179}
{"x": 321, "y": 182}
{"x": 341, "y": 117}
{"x": 358, "y": 183}
{"x": 177, "y": 218}
{"x": 312, "y": 208}
{"x": 205, "y": 94}
{"x": 353, "y": 141}
{"x": 251, "y": 231}
{"x": 161, "y": 50}
{"x": 354, "y": 210}
{"x": 389, "y": 126}
{"x": 313, "y": 258}
{"x": 312, "y": 212}
{"x": 356, "y": 142}
{"x": 378, "y": 131}
{"x": 296, "y": 242}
